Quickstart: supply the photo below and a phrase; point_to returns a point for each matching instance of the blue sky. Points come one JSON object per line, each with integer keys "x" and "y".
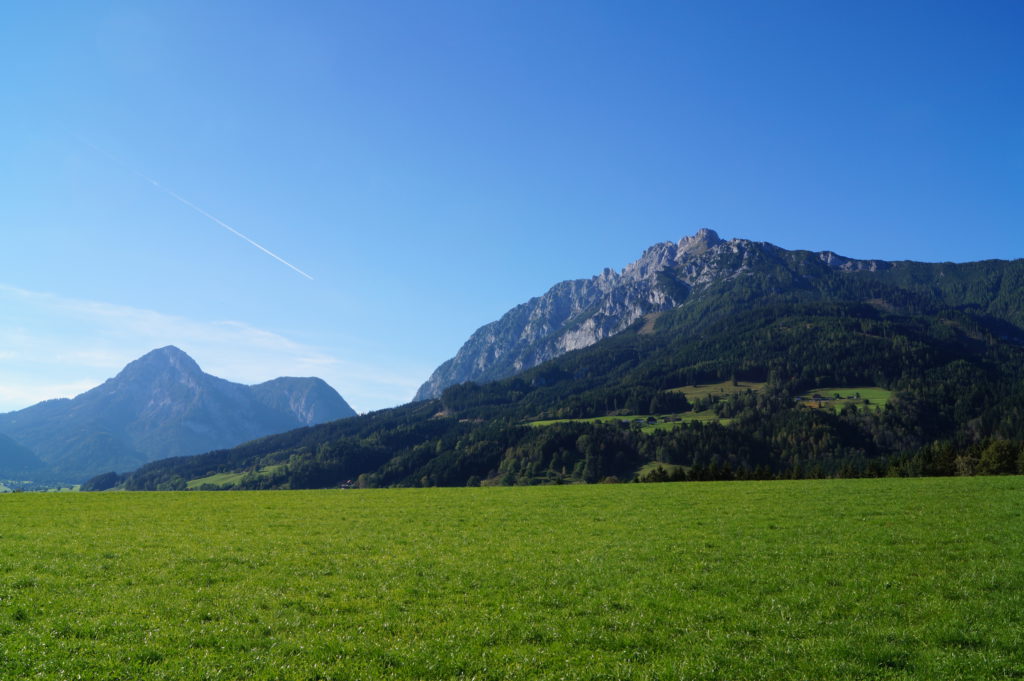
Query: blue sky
{"x": 432, "y": 164}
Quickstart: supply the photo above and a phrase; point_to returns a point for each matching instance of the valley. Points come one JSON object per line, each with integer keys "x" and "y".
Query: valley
{"x": 512, "y": 341}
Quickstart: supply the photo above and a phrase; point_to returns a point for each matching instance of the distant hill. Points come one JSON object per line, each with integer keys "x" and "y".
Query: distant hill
{"x": 19, "y": 463}
{"x": 714, "y": 384}
{"x": 158, "y": 406}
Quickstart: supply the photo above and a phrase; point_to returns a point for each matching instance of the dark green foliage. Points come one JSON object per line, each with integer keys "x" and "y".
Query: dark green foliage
{"x": 102, "y": 482}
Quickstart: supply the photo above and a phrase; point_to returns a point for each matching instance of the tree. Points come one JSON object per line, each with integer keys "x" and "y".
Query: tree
{"x": 999, "y": 458}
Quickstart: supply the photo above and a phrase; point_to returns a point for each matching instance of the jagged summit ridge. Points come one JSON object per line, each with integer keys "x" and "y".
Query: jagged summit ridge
{"x": 576, "y": 314}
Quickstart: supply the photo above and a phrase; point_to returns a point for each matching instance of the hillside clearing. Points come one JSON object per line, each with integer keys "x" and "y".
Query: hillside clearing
{"x": 225, "y": 479}
{"x": 643, "y": 421}
{"x": 693, "y": 393}
{"x": 870, "y": 397}
{"x": 722, "y": 389}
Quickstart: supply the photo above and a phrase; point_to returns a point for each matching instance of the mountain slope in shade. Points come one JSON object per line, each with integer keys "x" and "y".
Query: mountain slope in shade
{"x": 17, "y": 462}
{"x": 163, "y": 405}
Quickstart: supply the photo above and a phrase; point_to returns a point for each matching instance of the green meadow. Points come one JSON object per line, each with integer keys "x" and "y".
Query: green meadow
{"x": 218, "y": 479}
{"x": 720, "y": 390}
{"x": 868, "y": 397}
{"x": 663, "y": 421}
{"x": 817, "y": 579}
{"x": 668, "y": 421}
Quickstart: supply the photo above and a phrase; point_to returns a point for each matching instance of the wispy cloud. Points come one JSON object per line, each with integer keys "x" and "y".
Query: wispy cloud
{"x": 53, "y": 346}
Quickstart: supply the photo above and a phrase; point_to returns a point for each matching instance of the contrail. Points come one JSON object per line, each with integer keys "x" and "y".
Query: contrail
{"x": 223, "y": 224}
{"x": 182, "y": 199}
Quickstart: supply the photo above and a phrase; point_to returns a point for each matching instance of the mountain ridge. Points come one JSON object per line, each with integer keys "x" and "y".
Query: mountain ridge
{"x": 944, "y": 340}
{"x": 575, "y": 314}
{"x": 162, "y": 404}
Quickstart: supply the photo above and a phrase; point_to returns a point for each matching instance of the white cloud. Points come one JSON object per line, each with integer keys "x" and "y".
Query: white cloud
{"x": 52, "y": 346}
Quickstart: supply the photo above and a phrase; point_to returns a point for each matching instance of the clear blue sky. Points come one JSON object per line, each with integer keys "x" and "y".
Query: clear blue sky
{"x": 432, "y": 164}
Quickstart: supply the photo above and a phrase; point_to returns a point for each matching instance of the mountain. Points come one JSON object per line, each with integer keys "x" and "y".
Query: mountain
{"x": 577, "y": 314}
{"x": 162, "y": 405}
{"x": 19, "y": 463}
{"x": 738, "y": 376}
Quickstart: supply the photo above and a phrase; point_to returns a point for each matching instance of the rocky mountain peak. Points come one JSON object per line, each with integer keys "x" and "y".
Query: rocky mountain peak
{"x": 575, "y": 314}
{"x": 664, "y": 255}
{"x": 310, "y": 399}
{"x": 167, "y": 357}
{"x": 699, "y": 242}
{"x": 156, "y": 371}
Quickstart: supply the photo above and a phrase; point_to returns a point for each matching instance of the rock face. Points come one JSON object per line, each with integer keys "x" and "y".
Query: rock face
{"x": 576, "y": 314}
{"x": 163, "y": 405}
{"x": 310, "y": 400}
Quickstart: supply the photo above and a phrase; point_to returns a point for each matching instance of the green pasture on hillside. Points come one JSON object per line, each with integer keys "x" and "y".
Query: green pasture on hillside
{"x": 864, "y": 396}
{"x": 668, "y": 421}
{"x": 651, "y": 466}
{"x": 216, "y": 479}
{"x": 723, "y": 389}
{"x": 827, "y": 579}
{"x": 662, "y": 421}
{"x": 221, "y": 479}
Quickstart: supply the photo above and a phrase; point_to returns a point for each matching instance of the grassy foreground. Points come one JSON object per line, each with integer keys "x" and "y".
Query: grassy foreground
{"x": 854, "y": 579}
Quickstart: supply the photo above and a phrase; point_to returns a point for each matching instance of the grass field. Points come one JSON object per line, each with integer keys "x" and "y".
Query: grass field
{"x": 844, "y": 579}
{"x": 864, "y": 396}
{"x": 706, "y": 416}
{"x": 723, "y": 389}
{"x": 220, "y": 479}
{"x": 693, "y": 393}
{"x": 652, "y": 465}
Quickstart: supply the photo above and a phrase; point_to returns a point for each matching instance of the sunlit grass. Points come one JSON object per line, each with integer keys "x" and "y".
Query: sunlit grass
{"x": 723, "y": 389}
{"x": 652, "y": 466}
{"x": 226, "y": 479}
{"x": 838, "y": 579}
{"x": 674, "y": 420}
{"x": 870, "y": 397}
{"x": 660, "y": 421}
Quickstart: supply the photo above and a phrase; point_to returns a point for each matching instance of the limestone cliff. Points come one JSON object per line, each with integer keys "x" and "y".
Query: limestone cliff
{"x": 576, "y": 314}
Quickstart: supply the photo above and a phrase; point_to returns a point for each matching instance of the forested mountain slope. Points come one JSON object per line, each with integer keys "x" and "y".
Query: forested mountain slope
{"x": 944, "y": 339}
{"x": 577, "y": 314}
